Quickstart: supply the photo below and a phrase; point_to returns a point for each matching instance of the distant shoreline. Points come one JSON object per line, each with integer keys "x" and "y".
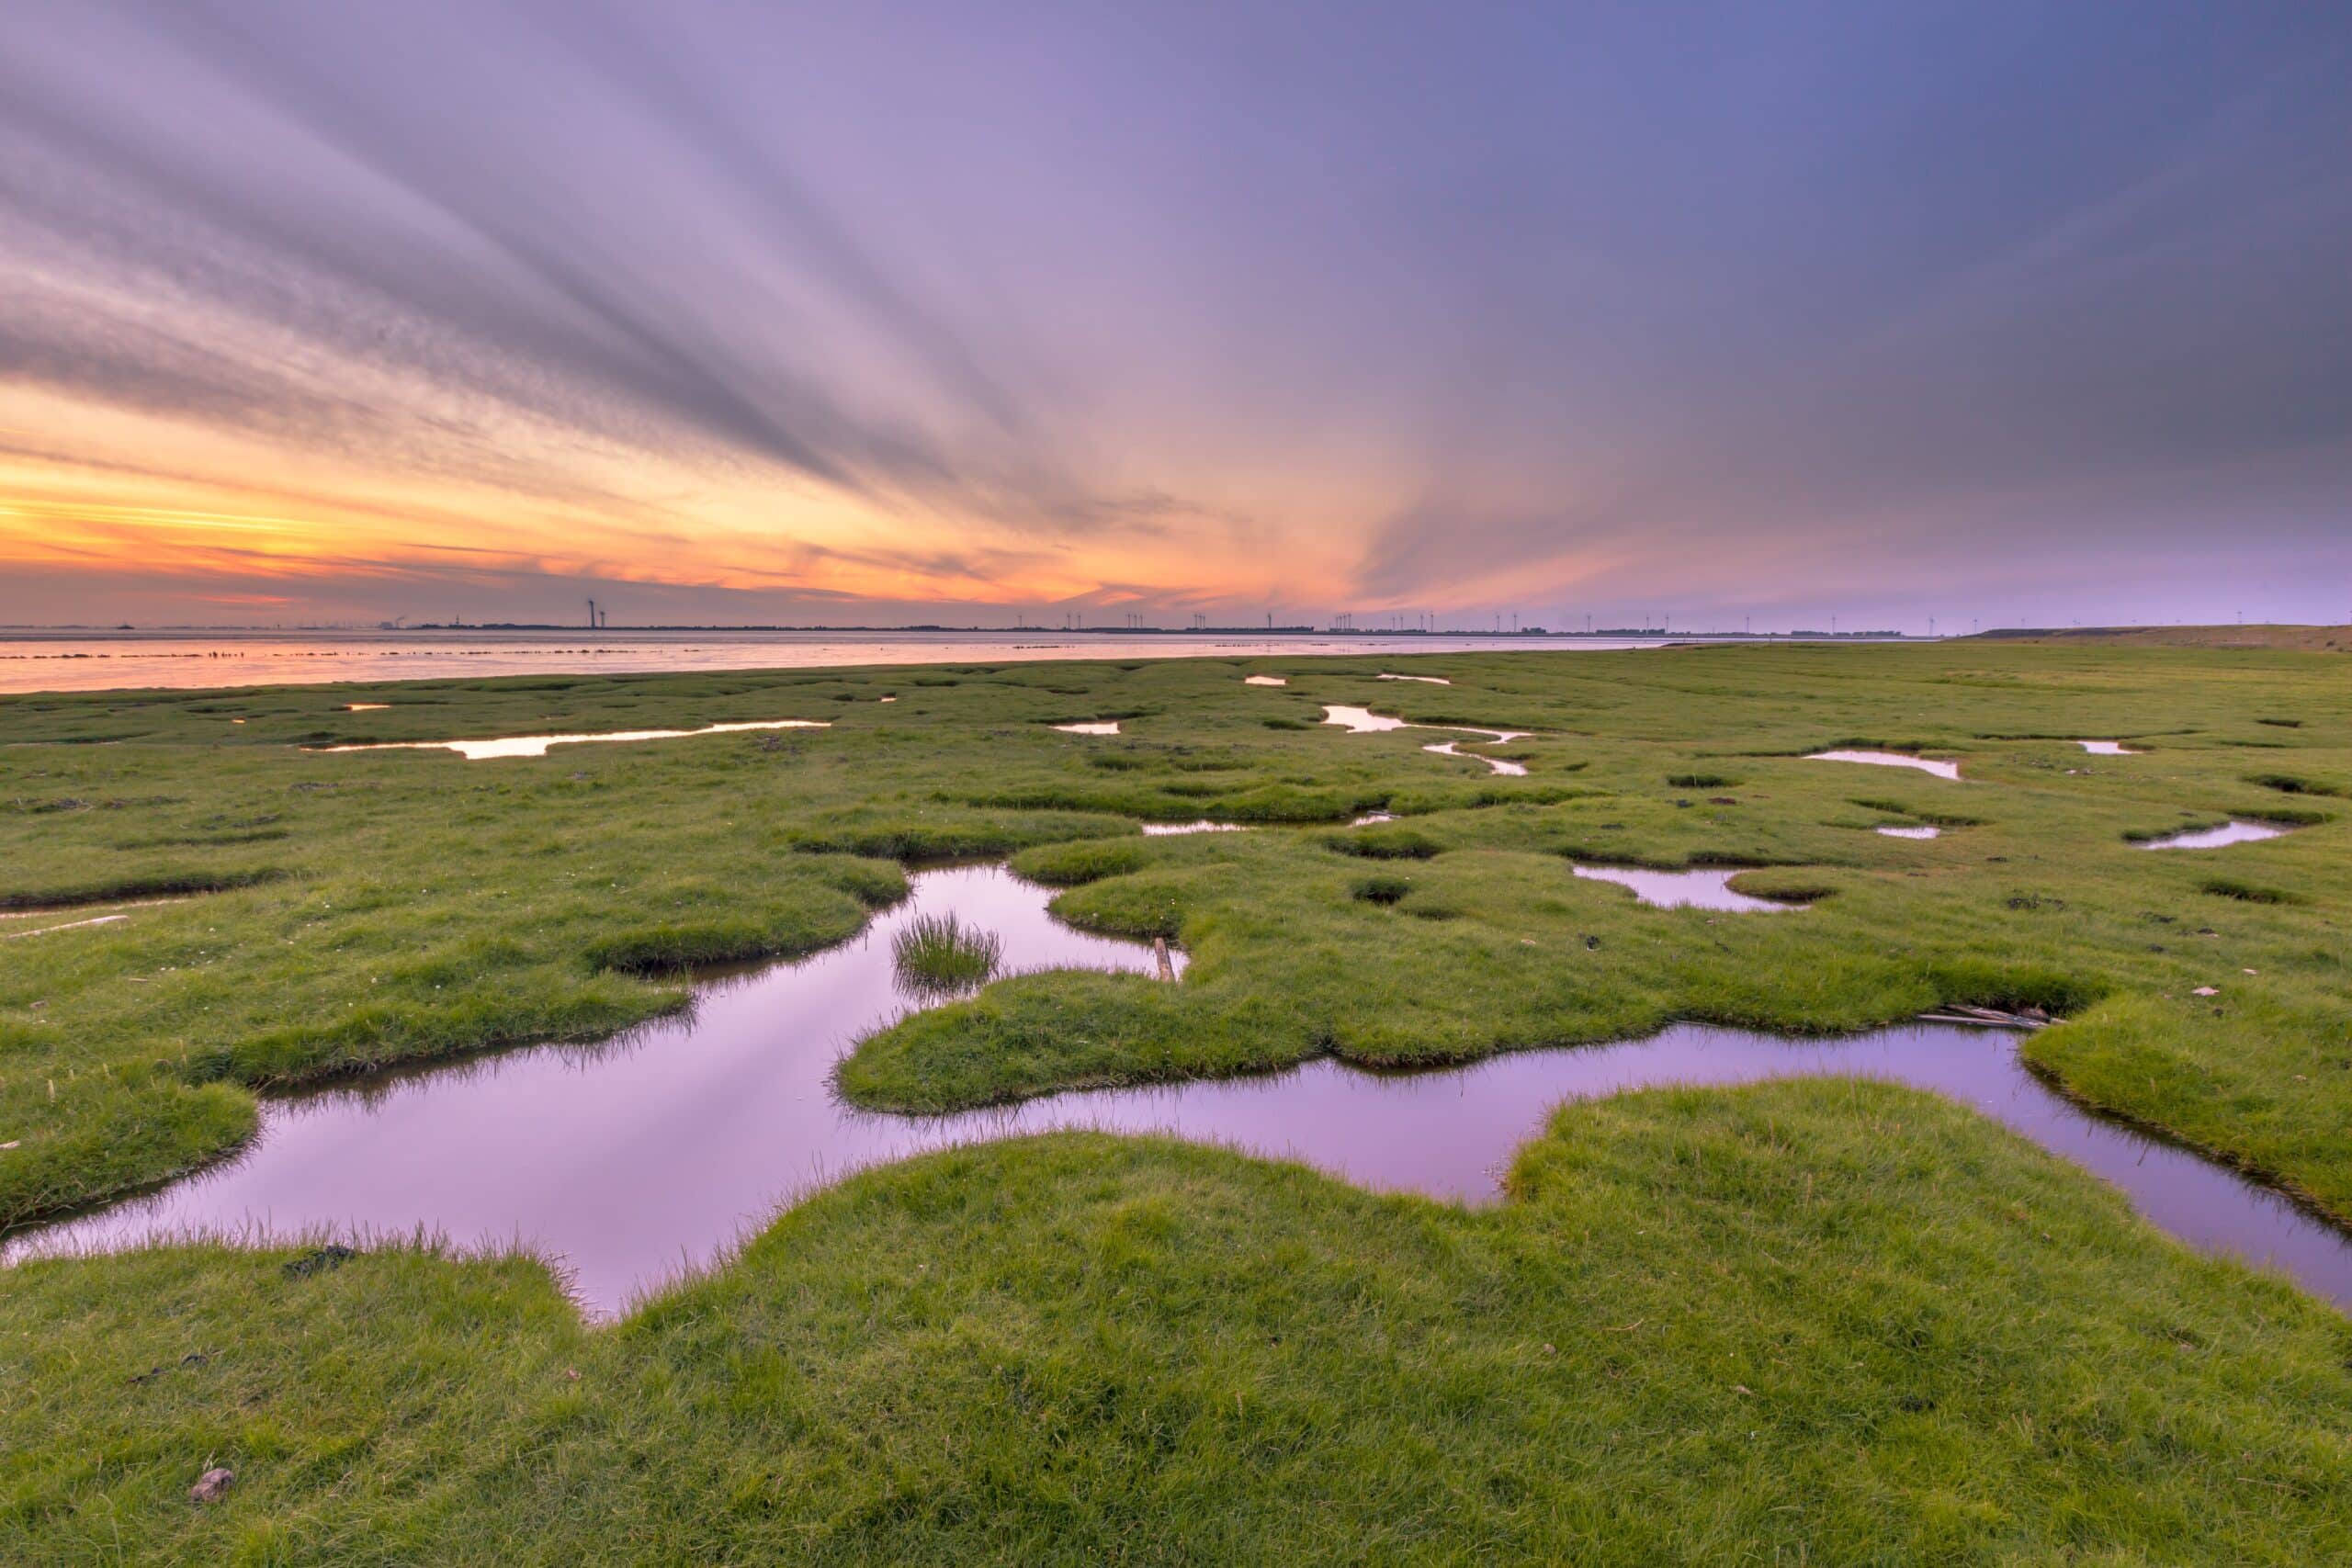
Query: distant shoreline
{"x": 1530, "y": 635}
{"x": 183, "y": 658}
{"x": 2268, "y": 635}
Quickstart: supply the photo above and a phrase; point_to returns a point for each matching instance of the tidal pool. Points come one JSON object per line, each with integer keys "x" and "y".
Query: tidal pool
{"x": 2231, "y": 833}
{"x": 536, "y": 745}
{"x": 1360, "y": 721}
{"x": 1888, "y": 760}
{"x": 629, "y": 1160}
{"x": 1676, "y": 889}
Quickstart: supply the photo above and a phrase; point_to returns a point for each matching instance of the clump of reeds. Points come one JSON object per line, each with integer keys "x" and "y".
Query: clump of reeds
{"x": 939, "y": 954}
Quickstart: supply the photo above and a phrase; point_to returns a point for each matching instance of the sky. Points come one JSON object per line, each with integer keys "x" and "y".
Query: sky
{"x": 726, "y": 313}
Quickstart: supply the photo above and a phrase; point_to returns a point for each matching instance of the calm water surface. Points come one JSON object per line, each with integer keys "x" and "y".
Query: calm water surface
{"x": 634, "y": 1158}
{"x": 1496, "y": 764}
{"x": 1889, "y": 760}
{"x": 1678, "y": 889}
{"x": 536, "y": 745}
{"x": 32, "y": 661}
{"x": 2231, "y": 832}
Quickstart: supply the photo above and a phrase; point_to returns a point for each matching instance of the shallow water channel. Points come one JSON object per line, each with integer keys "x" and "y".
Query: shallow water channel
{"x": 654, "y": 1151}
{"x": 536, "y": 745}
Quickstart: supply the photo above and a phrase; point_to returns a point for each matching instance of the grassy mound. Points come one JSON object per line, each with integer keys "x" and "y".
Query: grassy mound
{"x": 1825, "y": 1321}
{"x": 940, "y": 954}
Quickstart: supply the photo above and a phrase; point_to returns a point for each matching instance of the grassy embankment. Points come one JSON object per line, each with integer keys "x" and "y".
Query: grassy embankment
{"x": 1812, "y": 1322}
{"x": 2309, "y": 637}
{"x": 403, "y": 905}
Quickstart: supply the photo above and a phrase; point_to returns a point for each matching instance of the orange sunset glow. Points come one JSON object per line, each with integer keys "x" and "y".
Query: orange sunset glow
{"x": 335, "y": 320}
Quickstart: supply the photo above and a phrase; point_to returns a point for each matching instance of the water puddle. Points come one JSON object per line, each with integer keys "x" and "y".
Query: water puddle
{"x": 662, "y": 1147}
{"x": 1369, "y": 817}
{"x": 1166, "y": 829}
{"x": 1426, "y": 680}
{"x": 1922, "y": 832}
{"x": 102, "y": 912}
{"x": 2233, "y": 832}
{"x": 2107, "y": 748}
{"x": 1360, "y": 721}
{"x": 536, "y": 745}
{"x": 67, "y": 926}
{"x": 1678, "y": 889}
{"x": 1888, "y": 760}
{"x": 1265, "y": 680}
{"x": 365, "y": 707}
{"x": 1501, "y": 765}
{"x": 1092, "y": 727}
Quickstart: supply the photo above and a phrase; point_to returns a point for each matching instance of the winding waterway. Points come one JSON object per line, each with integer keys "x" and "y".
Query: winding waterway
{"x": 630, "y": 1159}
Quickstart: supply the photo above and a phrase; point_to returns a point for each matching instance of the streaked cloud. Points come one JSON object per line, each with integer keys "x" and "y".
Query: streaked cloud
{"x": 740, "y": 312}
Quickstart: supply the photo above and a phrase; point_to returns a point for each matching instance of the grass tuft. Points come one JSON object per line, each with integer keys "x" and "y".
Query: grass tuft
{"x": 938, "y": 955}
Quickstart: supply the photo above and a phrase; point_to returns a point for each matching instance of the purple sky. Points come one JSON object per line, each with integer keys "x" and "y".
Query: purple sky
{"x": 737, "y": 311}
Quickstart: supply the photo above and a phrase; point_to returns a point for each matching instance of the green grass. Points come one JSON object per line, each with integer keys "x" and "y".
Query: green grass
{"x": 415, "y": 905}
{"x": 412, "y": 904}
{"x": 1953, "y": 1349}
{"x": 1820, "y": 1322}
{"x": 940, "y": 955}
{"x": 1385, "y": 843}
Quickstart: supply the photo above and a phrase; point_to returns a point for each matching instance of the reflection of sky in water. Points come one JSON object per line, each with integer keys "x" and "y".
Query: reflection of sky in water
{"x": 2212, "y": 838}
{"x": 1500, "y": 764}
{"x": 81, "y": 664}
{"x": 1889, "y": 760}
{"x": 536, "y": 745}
{"x": 631, "y": 1158}
{"x": 1675, "y": 889}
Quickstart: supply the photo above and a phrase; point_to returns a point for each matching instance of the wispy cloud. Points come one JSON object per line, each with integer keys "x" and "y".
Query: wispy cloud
{"x": 818, "y": 302}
